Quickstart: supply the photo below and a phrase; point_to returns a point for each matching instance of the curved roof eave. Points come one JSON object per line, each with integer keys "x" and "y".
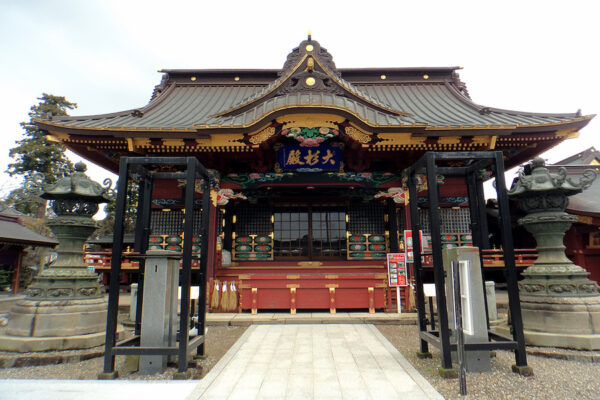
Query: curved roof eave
{"x": 485, "y": 109}
{"x": 279, "y": 111}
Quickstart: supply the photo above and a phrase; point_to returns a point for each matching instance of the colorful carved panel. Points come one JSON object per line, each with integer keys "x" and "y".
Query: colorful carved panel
{"x": 174, "y": 239}
{"x": 456, "y": 239}
{"x": 172, "y": 243}
{"x": 367, "y": 246}
{"x": 253, "y": 247}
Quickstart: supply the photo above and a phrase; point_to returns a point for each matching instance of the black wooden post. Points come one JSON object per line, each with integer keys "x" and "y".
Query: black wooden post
{"x": 438, "y": 271}
{"x": 228, "y": 228}
{"x": 115, "y": 268}
{"x": 203, "y": 261}
{"x": 509, "y": 262}
{"x": 418, "y": 267}
{"x": 475, "y": 205}
{"x": 483, "y": 223}
{"x": 142, "y": 235}
{"x": 474, "y": 202}
{"x": 188, "y": 231}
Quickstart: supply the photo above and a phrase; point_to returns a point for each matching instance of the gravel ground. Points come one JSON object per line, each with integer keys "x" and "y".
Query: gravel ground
{"x": 218, "y": 340}
{"x": 553, "y": 379}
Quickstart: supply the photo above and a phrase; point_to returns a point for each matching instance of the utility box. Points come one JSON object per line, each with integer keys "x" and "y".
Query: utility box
{"x": 472, "y": 301}
{"x": 159, "y": 314}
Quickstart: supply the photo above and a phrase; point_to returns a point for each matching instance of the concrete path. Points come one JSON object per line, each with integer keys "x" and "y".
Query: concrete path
{"x": 345, "y": 361}
{"x": 283, "y": 361}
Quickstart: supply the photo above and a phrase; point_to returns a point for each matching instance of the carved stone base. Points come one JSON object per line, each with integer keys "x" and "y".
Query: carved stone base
{"x": 545, "y": 339}
{"x": 52, "y": 318}
{"x": 20, "y": 344}
{"x": 572, "y": 322}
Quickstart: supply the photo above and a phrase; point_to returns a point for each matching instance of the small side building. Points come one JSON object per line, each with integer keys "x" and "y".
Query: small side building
{"x": 14, "y": 239}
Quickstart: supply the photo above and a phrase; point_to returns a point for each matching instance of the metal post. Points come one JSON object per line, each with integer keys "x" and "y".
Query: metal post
{"x": 509, "y": 262}
{"x": 431, "y": 313}
{"x": 115, "y": 268}
{"x": 460, "y": 338}
{"x": 203, "y": 262}
{"x": 415, "y": 226}
{"x": 438, "y": 272}
{"x": 188, "y": 230}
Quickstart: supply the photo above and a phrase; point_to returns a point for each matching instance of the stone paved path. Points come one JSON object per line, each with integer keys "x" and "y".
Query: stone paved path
{"x": 284, "y": 361}
{"x": 325, "y": 361}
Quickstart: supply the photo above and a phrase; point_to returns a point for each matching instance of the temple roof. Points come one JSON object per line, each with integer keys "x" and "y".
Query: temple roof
{"x": 383, "y": 99}
{"x": 589, "y": 156}
{"x": 13, "y": 232}
{"x": 586, "y": 202}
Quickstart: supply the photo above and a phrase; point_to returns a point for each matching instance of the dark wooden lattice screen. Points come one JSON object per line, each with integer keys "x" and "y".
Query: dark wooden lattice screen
{"x": 452, "y": 220}
{"x": 253, "y": 219}
{"x": 171, "y": 222}
{"x": 366, "y": 218}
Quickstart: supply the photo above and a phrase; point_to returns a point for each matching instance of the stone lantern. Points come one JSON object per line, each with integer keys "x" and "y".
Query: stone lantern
{"x": 64, "y": 306}
{"x": 560, "y": 305}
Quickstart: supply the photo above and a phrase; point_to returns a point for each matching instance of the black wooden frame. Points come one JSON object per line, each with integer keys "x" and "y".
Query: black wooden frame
{"x": 190, "y": 169}
{"x": 474, "y": 162}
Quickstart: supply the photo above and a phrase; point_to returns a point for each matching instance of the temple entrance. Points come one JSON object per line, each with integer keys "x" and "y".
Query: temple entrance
{"x": 309, "y": 232}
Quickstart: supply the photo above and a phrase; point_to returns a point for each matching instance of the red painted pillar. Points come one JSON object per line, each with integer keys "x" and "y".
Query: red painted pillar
{"x": 16, "y": 276}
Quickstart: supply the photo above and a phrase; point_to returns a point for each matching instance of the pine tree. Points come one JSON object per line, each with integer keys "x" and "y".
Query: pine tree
{"x": 34, "y": 154}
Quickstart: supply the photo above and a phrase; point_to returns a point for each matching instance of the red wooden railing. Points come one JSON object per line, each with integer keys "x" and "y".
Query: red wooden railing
{"x": 100, "y": 260}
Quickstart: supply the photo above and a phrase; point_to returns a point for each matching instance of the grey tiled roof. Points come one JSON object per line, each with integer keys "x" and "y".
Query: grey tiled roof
{"x": 192, "y": 106}
{"x": 13, "y": 232}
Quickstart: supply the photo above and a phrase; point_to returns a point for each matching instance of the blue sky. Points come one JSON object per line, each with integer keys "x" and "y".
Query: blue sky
{"x": 104, "y": 55}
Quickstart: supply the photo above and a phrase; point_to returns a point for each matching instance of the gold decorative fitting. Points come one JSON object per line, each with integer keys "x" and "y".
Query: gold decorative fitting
{"x": 357, "y": 135}
{"x": 237, "y": 78}
{"x": 425, "y": 76}
{"x": 262, "y": 135}
{"x": 383, "y": 77}
{"x": 310, "y": 81}
{"x": 193, "y": 78}
{"x": 309, "y": 47}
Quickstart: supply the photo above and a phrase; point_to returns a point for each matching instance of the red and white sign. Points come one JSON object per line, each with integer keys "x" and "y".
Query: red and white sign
{"x": 398, "y": 276}
{"x": 408, "y": 245}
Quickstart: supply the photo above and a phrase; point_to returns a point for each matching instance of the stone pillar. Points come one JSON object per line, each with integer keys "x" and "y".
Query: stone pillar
{"x": 159, "y": 314}
{"x": 490, "y": 295}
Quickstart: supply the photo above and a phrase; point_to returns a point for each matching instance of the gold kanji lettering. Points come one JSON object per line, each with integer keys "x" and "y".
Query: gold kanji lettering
{"x": 312, "y": 159}
{"x": 294, "y": 158}
{"x": 328, "y": 158}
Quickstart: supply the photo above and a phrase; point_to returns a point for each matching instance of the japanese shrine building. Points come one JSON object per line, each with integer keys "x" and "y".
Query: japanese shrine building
{"x": 307, "y": 161}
